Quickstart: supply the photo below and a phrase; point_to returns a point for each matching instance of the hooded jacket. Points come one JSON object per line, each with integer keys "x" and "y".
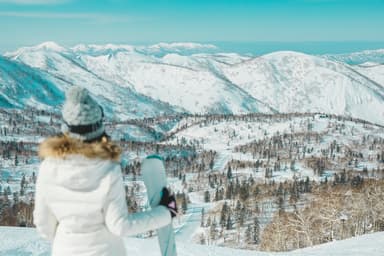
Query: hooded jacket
{"x": 80, "y": 200}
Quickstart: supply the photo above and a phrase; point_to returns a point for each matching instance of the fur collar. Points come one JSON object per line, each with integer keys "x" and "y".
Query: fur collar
{"x": 63, "y": 145}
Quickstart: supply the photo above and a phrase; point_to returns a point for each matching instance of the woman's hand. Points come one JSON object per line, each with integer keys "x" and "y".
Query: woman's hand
{"x": 168, "y": 201}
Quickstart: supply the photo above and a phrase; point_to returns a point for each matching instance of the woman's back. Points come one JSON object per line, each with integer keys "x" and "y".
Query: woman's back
{"x": 75, "y": 188}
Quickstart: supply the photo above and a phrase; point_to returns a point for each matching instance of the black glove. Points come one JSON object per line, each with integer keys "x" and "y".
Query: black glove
{"x": 168, "y": 201}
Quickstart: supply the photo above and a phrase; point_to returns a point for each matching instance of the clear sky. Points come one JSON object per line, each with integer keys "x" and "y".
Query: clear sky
{"x": 68, "y": 22}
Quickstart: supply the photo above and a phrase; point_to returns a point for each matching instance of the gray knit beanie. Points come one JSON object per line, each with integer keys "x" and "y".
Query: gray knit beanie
{"x": 83, "y": 117}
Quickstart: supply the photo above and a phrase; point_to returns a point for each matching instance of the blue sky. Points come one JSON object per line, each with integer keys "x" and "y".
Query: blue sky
{"x": 68, "y": 22}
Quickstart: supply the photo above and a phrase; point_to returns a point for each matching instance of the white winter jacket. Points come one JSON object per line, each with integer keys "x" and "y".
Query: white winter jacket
{"x": 80, "y": 200}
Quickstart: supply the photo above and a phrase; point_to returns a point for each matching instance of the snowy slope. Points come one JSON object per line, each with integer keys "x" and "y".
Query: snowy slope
{"x": 358, "y": 57}
{"x": 22, "y": 86}
{"x": 197, "y": 78}
{"x": 162, "y": 49}
{"x": 296, "y": 82}
{"x": 226, "y": 135}
{"x": 374, "y": 71}
{"x": 62, "y": 69}
{"x": 198, "y": 91}
{"x": 25, "y": 241}
{"x": 138, "y": 69}
{"x": 168, "y": 76}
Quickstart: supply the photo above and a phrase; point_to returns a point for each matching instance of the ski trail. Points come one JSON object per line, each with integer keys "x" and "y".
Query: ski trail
{"x": 223, "y": 158}
{"x": 191, "y": 224}
{"x": 186, "y": 232}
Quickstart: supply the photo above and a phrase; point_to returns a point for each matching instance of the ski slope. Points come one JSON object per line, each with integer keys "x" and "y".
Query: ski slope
{"x": 25, "y": 241}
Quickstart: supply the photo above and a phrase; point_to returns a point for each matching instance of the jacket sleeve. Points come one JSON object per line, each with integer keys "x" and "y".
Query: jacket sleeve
{"x": 117, "y": 219}
{"x": 43, "y": 218}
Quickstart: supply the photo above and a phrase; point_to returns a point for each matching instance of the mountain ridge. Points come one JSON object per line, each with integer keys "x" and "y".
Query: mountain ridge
{"x": 187, "y": 77}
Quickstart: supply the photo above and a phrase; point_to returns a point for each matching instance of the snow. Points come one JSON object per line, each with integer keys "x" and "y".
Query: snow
{"x": 181, "y": 46}
{"x": 372, "y": 70}
{"x": 26, "y": 86}
{"x": 46, "y": 46}
{"x": 25, "y": 241}
{"x": 292, "y": 81}
{"x": 223, "y": 137}
{"x": 94, "y": 48}
{"x": 64, "y": 70}
{"x": 197, "y": 91}
{"x": 357, "y": 58}
{"x": 197, "y": 78}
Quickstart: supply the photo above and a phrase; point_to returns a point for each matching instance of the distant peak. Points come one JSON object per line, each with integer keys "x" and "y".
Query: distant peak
{"x": 52, "y": 46}
{"x": 286, "y": 54}
{"x": 183, "y": 45}
{"x": 46, "y": 46}
{"x": 376, "y": 51}
{"x": 101, "y": 47}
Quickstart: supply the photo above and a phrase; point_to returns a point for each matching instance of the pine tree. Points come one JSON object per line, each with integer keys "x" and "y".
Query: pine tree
{"x": 242, "y": 216}
{"x": 256, "y": 231}
{"x": 211, "y": 164}
{"x": 22, "y": 185}
{"x": 16, "y": 160}
{"x": 280, "y": 203}
{"x": 209, "y": 222}
{"x": 280, "y": 189}
{"x": 223, "y": 214}
{"x": 248, "y": 234}
{"x": 213, "y": 229}
{"x": 217, "y": 195}
{"x": 8, "y": 191}
{"x": 238, "y": 206}
{"x": 207, "y": 197}
{"x": 202, "y": 217}
{"x": 229, "y": 192}
{"x": 229, "y": 173}
{"x": 229, "y": 223}
{"x": 244, "y": 191}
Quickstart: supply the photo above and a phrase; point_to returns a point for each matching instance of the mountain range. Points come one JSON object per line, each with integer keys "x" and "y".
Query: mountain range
{"x": 143, "y": 81}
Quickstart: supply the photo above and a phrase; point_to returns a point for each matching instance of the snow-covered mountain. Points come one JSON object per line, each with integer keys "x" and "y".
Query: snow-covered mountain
{"x": 23, "y": 86}
{"x": 110, "y": 68}
{"x": 291, "y": 81}
{"x": 196, "y": 78}
{"x": 58, "y": 69}
{"x": 357, "y": 58}
{"x": 374, "y": 71}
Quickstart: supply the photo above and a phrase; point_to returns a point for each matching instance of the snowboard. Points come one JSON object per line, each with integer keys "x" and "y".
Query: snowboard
{"x": 155, "y": 179}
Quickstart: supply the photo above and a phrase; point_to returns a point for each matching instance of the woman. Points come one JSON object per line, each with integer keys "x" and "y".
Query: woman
{"x": 80, "y": 202}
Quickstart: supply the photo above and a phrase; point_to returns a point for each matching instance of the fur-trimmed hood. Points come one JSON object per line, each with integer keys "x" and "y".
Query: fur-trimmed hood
{"x": 63, "y": 146}
{"x": 76, "y": 165}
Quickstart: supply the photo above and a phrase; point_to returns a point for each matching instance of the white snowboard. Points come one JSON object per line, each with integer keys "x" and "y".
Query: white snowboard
{"x": 155, "y": 180}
